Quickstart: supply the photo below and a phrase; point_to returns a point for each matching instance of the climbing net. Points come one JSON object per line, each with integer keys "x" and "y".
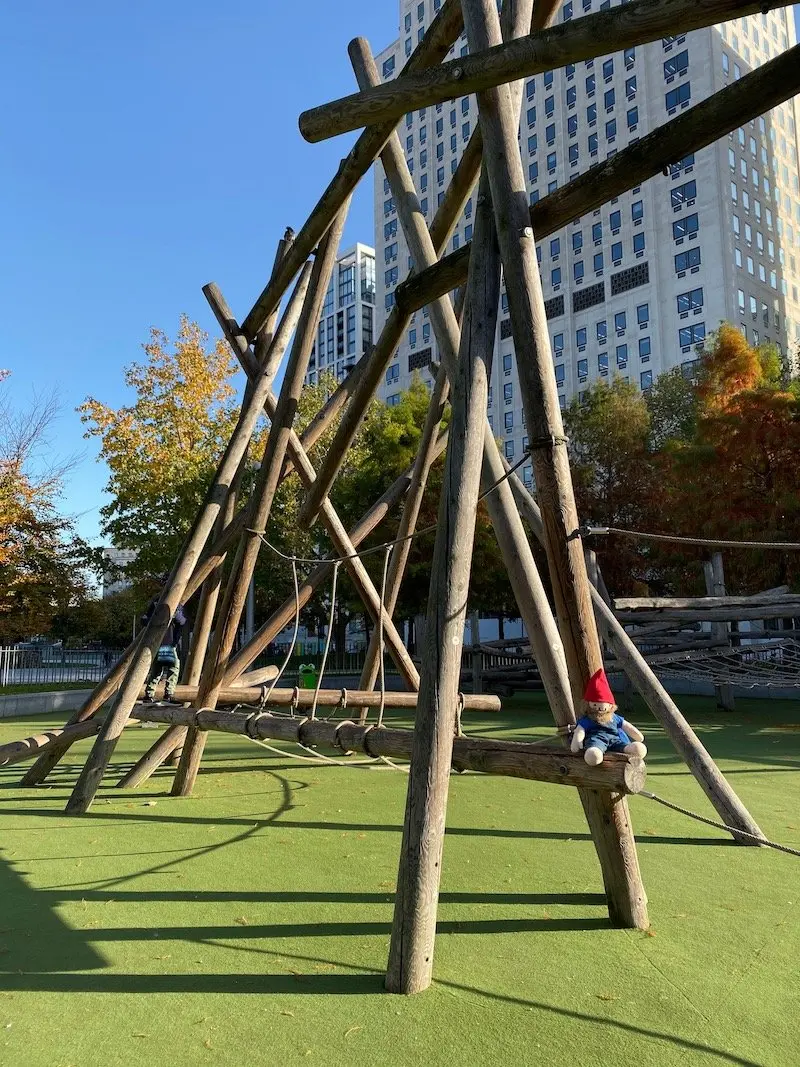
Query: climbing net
{"x": 773, "y": 663}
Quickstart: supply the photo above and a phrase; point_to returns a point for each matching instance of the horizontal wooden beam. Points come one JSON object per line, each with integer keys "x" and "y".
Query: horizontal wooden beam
{"x": 571, "y": 42}
{"x": 431, "y": 50}
{"x": 514, "y": 759}
{"x": 326, "y": 698}
{"x": 743, "y": 100}
{"x": 743, "y": 614}
{"x": 29, "y": 747}
{"x": 701, "y": 603}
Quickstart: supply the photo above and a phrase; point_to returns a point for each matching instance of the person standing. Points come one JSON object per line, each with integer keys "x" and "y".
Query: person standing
{"x": 167, "y": 661}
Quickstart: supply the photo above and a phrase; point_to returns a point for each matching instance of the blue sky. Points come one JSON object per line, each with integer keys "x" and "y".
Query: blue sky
{"x": 149, "y": 149}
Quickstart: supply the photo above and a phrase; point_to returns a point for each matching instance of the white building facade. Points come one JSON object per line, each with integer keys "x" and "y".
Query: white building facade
{"x": 633, "y": 288}
{"x": 347, "y": 324}
{"x": 115, "y": 563}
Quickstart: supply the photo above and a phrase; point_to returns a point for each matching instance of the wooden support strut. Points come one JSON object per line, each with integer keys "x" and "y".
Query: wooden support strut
{"x": 173, "y": 594}
{"x": 585, "y": 38}
{"x": 618, "y": 774}
{"x": 260, "y": 506}
{"x": 736, "y": 104}
{"x": 511, "y": 536}
{"x": 609, "y": 820}
{"x": 688, "y": 745}
{"x": 431, "y": 50}
{"x": 342, "y": 544}
{"x": 283, "y": 615}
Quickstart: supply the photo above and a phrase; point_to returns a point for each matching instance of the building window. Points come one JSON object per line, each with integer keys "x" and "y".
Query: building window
{"x": 388, "y": 67}
{"x": 691, "y": 335}
{"x": 620, "y": 322}
{"x": 686, "y": 227}
{"x": 558, "y": 344}
{"x": 602, "y": 363}
{"x": 622, "y": 355}
{"x": 577, "y": 270}
{"x": 644, "y": 349}
{"x": 687, "y": 260}
{"x": 682, "y": 194}
{"x": 677, "y": 65}
{"x": 508, "y": 393}
{"x": 601, "y": 331}
{"x": 679, "y": 97}
{"x": 598, "y": 262}
{"x": 393, "y": 373}
{"x": 393, "y": 400}
{"x": 643, "y": 314}
{"x": 646, "y": 379}
{"x": 693, "y": 301}
{"x": 508, "y": 448}
{"x": 577, "y": 241}
{"x": 638, "y": 243}
{"x": 559, "y": 372}
{"x": 637, "y": 211}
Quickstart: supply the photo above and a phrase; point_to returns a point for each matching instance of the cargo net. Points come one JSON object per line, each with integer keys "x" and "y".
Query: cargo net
{"x": 771, "y": 663}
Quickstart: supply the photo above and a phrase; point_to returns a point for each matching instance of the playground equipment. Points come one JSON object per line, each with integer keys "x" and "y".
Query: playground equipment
{"x": 564, "y": 642}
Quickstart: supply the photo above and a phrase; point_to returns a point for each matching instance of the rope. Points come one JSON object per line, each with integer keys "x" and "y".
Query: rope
{"x": 639, "y": 535}
{"x": 381, "y": 668}
{"x": 720, "y": 825}
{"x": 316, "y": 560}
{"x": 265, "y": 696}
{"x": 327, "y": 640}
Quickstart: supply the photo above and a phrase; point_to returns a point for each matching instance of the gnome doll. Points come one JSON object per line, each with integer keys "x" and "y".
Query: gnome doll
{"x": 600, "y": 729}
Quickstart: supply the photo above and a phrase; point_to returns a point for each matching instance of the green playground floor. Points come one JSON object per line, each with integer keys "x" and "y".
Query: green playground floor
{"x": 250, "y": 923}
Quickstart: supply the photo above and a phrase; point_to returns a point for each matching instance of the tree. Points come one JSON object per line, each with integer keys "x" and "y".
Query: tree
{"x": 41, "y": 559}
{"x": 737, "y": 477}
{"x": 162, "y": 450}
{"x": 613, "y": 471}
{"x": 672, "y": 406}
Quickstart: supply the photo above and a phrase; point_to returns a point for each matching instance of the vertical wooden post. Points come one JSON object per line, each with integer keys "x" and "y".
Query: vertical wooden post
{"x": 426, "y": 453}
{"x": 715, "y": 586}
{"x": 509, "y": 530}
{"x": 477, "y": 655}
{"x": 414, "y": 925}
{"x": 608, "y": 815}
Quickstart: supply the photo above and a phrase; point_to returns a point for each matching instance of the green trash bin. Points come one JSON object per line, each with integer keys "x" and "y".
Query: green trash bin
{"x": 307, "y": 676}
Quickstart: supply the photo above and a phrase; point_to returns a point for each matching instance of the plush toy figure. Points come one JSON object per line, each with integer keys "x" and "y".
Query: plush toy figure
{"x": 600, "y": 729}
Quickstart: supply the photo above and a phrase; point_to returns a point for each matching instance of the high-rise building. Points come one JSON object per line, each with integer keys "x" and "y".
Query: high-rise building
{"x": 347, "y": 324}
{"x": 633, "y": 288}
{"x": 115, "y": 563}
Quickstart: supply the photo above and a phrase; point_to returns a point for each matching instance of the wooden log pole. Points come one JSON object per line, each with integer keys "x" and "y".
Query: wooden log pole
{"x": 636, "y": 23}
{"x": 619, "y": 774}
{"x": 608, "y": 817}
{"x": 305, "y": 470}
{"x": 173, "y": 593}
{"x": 440, "y": 35}
{"x": 414, "y": 925}
{"x": 327, "y": 698}
{"x": 426, "y": 455}
{"x": 692, "y": 130}
{"x": 260, "y": 507}
{"x": 283, "y": 615}
{"x": 715, "y": 587}
{"x": 789, "y": 603}
{"x": 686, "y": 742}
{"x": 755, "y": 610}
{"x": 64, "y": 736}
{"x": 509, "y": 530}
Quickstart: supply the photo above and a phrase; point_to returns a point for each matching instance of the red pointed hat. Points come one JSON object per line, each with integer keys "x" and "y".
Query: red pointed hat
{"x": 598, "y": 691}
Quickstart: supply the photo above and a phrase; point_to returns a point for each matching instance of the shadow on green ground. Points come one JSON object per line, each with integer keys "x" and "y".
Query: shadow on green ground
{"x": 257, "y": 914}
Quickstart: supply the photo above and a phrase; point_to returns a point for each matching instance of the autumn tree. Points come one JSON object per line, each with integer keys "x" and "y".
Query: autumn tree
{"x": 41, "y": 558}
{"x": 737, "y": 477}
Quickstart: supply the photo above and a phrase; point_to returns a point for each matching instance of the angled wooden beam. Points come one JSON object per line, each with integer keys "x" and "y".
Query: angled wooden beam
{"x": 426, "y": 455}
{"x": 580, "y": 39}
{"x": 305, "y": 470}
{"x": 431, "y": 50}
{"x": 174, "y": 590}
{"x": 260, "y": 506}
{"x": 686, "y": 742}
{"x": 694, "y": 129}
{"x": 284, "y": 615}
{"x": 609, "y": 820}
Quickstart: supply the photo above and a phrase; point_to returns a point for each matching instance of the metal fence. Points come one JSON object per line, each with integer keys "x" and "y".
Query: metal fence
{"x": 52, "y": 664}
